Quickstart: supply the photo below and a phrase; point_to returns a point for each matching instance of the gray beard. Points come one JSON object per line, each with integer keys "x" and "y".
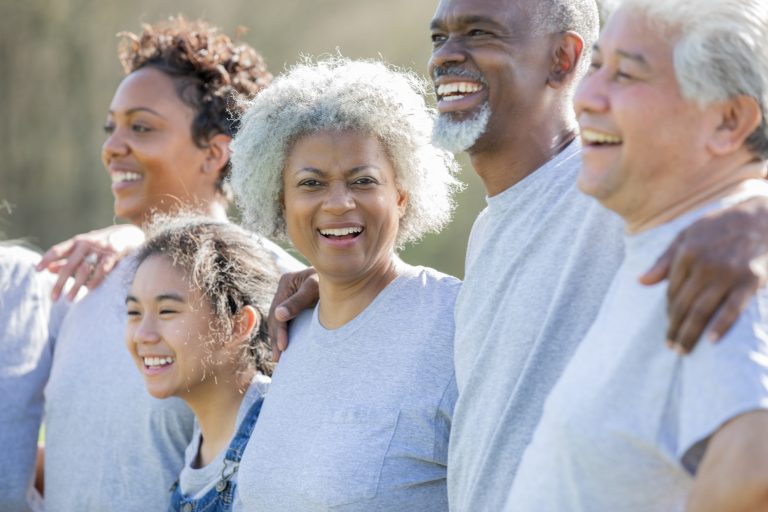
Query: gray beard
{"x": 457, "y": 136}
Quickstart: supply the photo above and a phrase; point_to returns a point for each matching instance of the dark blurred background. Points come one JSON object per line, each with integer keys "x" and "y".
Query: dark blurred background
{"x": 59, "y": 69}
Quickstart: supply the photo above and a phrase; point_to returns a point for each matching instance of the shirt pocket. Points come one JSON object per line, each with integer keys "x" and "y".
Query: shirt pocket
{"x": 345, "y": 458}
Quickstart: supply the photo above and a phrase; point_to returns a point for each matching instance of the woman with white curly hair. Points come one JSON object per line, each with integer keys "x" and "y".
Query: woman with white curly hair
{"x": 336, "y": 157}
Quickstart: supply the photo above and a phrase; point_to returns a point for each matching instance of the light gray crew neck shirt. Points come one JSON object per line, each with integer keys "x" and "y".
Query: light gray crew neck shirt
{"x": 539, "y": 261}
{"x": 626, "y": 425}
{"x": 357, "y": 418}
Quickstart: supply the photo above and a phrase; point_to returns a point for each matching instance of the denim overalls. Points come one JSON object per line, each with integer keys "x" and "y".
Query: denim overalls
{"x": 222, "y": 495}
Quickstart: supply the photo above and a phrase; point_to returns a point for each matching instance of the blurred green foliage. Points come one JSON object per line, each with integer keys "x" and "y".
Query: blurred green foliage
{"x": 59, "y": 69}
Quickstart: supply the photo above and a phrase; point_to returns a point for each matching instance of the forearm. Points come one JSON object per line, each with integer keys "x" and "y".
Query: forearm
{"x": 733, "y": 475}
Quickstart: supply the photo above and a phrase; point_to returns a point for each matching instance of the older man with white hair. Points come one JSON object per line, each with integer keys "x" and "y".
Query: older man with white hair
{"x": 673, "y": 127}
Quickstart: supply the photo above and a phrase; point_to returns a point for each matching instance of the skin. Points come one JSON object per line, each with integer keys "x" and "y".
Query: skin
{"x": 631, "y": 95}
{"x": 337, "y": 180}
{"x": 632, "y": 88}
{"x": 524, "y": 77}
{"x": 168, "y": 317}
{"x": 148, "y": 133}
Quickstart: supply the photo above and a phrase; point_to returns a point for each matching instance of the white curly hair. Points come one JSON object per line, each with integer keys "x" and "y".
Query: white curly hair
{"x": 337, "y": 94}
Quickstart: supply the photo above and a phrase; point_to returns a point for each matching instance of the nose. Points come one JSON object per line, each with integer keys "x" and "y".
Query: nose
{"x": 339, "y": 199}
{"x": 146, "y": 332}
{"x": 114, "y": 145}
{"x": 449, "y": 51}
{"x": 590, "y": 95}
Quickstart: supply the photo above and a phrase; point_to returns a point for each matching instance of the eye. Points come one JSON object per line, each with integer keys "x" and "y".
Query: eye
{"x": 438, "y": 38}
{"x": 167, "y": 311}
{"x": 310, "y": 183}
{"x": 140, "y": 128}
{"x": 108, "y": 128}
{"x": 475, "y": 32}
{"x": 365, "y": 180}
{"x": 133, "y": 313}
{"x": 623, "y": 76}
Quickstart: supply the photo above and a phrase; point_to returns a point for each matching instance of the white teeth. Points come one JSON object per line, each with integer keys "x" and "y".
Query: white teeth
{"x": 157, "y": 361}
{"x": 453, "y": 97}
{"x": 119, "y": 177}
{"x": 599, "y": 138}
{"x": 340, "y": 231}
{"x": 457, "y": 87}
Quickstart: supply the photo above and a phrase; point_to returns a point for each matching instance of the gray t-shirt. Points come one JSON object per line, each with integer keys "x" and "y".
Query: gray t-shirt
{"x": 540, "y": 259}
{"x": 28, "y": 323}
{"x": 196, "y": 482}
{"x": 625, "y": 426}
{"x": 357, "y": 418}
{"x": 110, "y": 446}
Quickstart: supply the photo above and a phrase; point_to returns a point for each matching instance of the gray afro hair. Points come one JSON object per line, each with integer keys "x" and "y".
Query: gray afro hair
{"x": 337, "y": 94}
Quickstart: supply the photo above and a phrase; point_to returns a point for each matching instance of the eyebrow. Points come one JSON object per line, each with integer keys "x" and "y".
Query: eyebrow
{"x": 134, "y": 110}
{"x": 635, "y": 57}
{"x": 468, "y": 19}
{"x": 354, "y": 170}
{"x": 164, "y": 296}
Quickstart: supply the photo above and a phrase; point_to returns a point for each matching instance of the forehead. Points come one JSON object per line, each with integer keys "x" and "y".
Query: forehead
{"x": 149, "y": 88}
{"x": 629, "y": 32}
{"x": 338, "y": 148}
{"x": 157, "y": 273}
{"x": 510, "y": 13}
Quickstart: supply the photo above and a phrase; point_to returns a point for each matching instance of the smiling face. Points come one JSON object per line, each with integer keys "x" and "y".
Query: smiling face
{"x": 152, "y": 160}
{"x": 342, "y": 205}
{"x": 641, "y": 138}
{"x": 489, "y": 71}
{"x": 169, "y": 329}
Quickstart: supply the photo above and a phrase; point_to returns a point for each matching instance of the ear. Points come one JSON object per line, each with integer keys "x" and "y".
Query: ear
{"x": 402, "y": 201}
{"x": 738, "y": 118}
{"x": 567, "y": 52}
{"x": 244, "y": 323}
{"x": 217, "y": 154}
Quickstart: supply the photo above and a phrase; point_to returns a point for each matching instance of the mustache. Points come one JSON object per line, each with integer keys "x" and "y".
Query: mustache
{"x": 457, "y": 71}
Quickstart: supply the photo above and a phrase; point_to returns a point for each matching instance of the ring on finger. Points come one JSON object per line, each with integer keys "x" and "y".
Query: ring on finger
{"x": 92, "y": 259}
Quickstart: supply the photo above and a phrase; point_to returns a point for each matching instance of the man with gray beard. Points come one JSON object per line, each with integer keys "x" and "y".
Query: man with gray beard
{"x": 542, "y": 254}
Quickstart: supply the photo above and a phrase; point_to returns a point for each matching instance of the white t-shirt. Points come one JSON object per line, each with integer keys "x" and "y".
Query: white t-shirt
{"x": 626, "y": 426}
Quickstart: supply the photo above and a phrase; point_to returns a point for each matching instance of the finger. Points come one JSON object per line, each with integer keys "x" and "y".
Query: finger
{"x": 729, "y": 312}
{"x": 282, "y": 337}
{"x": 74, "y": 260}
{"x": 678, "y": 305}
{"x": 82, "y": 275}
{"x": 100, "y": 271}
{"x": 659, "y": 271}
{"x": 679, "y": 271}
{"x": 54, "y": 254}
{"x": 697, "y": 319}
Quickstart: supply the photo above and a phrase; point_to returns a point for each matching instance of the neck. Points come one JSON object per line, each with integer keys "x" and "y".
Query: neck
{"x": 216, "y": 410}
{"x": 213, "y": 209}
{"x": 508, "y": 162}
{"x": 718, "y": 186}
{"x": 341, "y": 301}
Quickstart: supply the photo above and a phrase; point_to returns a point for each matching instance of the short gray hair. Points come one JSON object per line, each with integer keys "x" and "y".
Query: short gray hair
{"x": 719, "y": 50}
{"x": 580, "y": 16}
{"x": 338, "y": 94}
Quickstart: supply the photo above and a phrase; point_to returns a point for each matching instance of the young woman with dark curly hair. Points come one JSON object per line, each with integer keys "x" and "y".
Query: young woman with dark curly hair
{"x": 109, "y": 445}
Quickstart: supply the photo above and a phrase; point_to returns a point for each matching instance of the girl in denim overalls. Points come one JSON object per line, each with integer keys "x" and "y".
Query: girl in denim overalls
{"x": 197, "y": 331}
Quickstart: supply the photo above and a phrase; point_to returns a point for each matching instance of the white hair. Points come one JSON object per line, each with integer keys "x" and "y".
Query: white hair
{"x": 579, "y": 16}
{"x": 719, "y": 50}
{"x": 457, "y": 136}
{"x": 338, "y": 94}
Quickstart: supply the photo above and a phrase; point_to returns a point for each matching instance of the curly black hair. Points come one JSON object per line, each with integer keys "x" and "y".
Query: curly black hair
{"x": 211, "y": 72}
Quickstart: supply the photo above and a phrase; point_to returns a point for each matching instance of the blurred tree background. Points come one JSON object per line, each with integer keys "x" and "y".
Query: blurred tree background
{"x": 59, "y": 69}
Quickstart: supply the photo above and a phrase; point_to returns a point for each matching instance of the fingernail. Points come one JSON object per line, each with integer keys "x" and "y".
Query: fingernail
{"x": 712, "y": 336}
